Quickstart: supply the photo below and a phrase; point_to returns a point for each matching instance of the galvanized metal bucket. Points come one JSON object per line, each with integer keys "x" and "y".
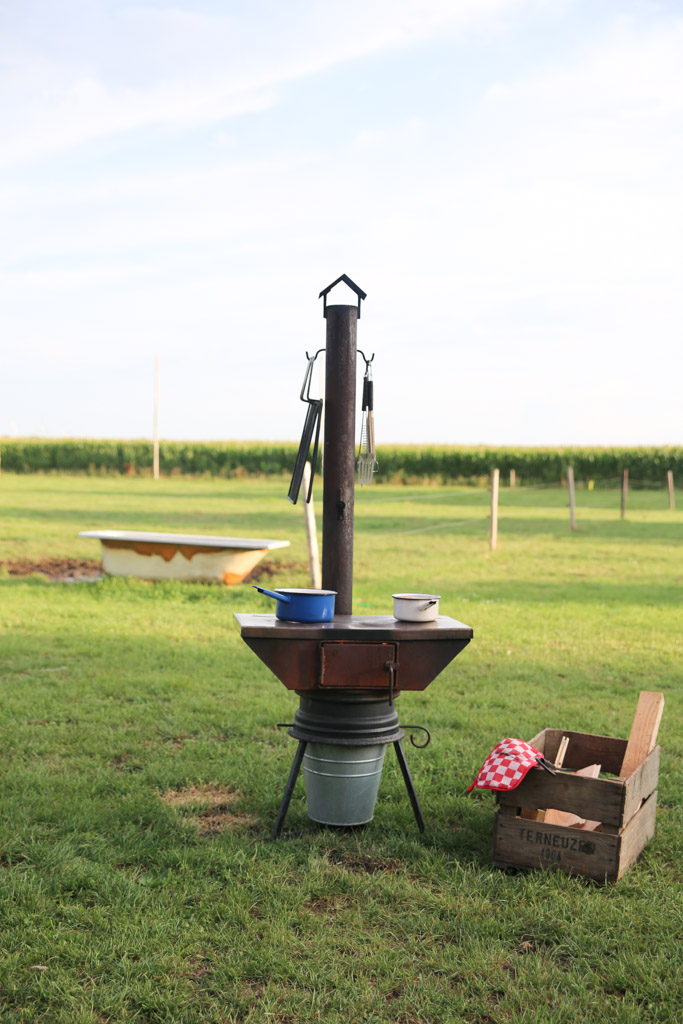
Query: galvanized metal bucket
{"x": 342, "y": 782}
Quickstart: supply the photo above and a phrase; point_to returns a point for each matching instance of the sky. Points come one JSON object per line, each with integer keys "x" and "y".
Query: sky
{"x": 502, "y": 177}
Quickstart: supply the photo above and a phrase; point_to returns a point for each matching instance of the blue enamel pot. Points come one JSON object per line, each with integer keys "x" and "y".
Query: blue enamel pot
{"x": 302, "y": 605}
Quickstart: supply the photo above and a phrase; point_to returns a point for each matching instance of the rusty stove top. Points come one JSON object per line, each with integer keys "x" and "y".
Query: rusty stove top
{"x": 354, "y": 652}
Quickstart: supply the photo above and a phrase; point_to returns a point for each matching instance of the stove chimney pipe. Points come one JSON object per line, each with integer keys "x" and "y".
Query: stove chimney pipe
{"x": 339, "y": 453}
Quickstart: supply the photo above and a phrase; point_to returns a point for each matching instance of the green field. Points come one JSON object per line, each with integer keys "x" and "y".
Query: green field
{"x": 142, "y": 770}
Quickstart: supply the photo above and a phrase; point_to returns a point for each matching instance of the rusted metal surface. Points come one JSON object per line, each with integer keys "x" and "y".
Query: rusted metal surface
{"x": 353, "y": 628}
{"x": 193, "y": 562}
{"x": 299, "y": 663}
{"x": 231, "y": 578}
{"x": 339, "y": 454}
{"x": 181, "y": 556}
{"x": 296, "y": 663}
{"x": 356, "y": 666}
{"x": 166, "y": 550}
{"x": 245, "y": 559}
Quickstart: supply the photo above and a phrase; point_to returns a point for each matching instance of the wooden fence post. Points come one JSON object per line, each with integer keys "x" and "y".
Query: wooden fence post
{"x": 572, "y": 501}
{"x": 155, "y": 445}
{"x": 624, "y": 493}
{"x": 670, "y": 483}
{"x": 493, "y": 536}
{"x": 311, "y": 533}
{"x": 513, "y": 478}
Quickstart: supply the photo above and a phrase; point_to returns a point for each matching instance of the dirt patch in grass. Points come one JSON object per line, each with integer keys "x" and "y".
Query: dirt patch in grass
{"x": 212, "y": 807}
{"x": 365, "y": 865}
{"x": 205, "y": 797}
{"x": 210, "y": 824}
{"x": 252, "y": 989}
{"x": 266, "y": 570}
{"x": 327, "y": 905}
{"x": 199, "y": 970}
{"x": 79, "y": 570}
{"x": 64, "y": 570}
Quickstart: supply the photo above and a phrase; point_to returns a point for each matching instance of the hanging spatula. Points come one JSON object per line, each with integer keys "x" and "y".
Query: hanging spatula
{"x": 311, "y": 424}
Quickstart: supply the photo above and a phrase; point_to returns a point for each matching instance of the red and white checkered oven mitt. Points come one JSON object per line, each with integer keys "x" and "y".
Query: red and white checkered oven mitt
{"x": 506, "y": 765}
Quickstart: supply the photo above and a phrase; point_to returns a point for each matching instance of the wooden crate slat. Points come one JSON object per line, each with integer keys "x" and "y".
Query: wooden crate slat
{"x": 521, "y": 843}
{"x": 597, "y": 799}
{"x": 637, "y": 833}
{"x": 641, "y": 783}
{"x": 584, "y": 748}
{"x": 508, "y": 810}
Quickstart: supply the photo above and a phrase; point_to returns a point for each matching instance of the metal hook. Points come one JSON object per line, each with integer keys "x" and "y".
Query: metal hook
{"x": 420, "y": 746}
{"x": 313, "y": 358}
{"x": 308, "y": 378}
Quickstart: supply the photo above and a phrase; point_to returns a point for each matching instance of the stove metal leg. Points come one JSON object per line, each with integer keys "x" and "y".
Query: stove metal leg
{"x": 407, "y": 778}
{"x": 289, "y": 789}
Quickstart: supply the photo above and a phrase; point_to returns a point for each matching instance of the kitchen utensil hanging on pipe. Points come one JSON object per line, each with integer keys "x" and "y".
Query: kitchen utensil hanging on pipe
{"x": 311, "y": 425}
{"x": 367, "y": 463}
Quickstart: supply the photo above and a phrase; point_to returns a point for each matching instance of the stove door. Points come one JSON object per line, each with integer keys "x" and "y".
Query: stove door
{"x": 363, "y": 666}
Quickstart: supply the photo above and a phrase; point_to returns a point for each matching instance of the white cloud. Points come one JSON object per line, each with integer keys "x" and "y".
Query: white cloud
{"x": 189, "y": 67}
{"x": 518, "y": 262}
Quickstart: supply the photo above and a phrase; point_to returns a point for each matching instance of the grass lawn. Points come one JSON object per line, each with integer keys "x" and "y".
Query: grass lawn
{"x": 142, "y": 770}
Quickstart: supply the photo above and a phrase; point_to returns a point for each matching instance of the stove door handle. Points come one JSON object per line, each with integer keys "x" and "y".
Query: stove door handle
{"x": 392, "y": 668}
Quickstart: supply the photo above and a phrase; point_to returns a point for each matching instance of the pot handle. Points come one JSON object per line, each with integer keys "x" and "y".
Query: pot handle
{"x": 272, "y": 593}
{"x": 425, "y": 606}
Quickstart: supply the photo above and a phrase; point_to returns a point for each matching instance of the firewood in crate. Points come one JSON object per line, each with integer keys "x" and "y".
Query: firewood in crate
{"x": 540, "y": 815}
{"x": 566, "y": 818}
{"x": 626, "y": 808}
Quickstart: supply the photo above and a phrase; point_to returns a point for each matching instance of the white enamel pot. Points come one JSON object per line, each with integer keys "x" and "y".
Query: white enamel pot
{"x": 416, "y": 607}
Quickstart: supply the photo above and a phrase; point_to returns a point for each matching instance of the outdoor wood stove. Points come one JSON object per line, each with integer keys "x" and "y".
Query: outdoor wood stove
{"x": 347, "y": 672}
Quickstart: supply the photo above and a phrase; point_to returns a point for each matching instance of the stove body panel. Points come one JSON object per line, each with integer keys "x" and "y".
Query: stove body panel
{"x": 353, "y": 652}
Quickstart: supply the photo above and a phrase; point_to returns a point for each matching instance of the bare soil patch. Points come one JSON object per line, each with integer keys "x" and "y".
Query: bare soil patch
{"x": 365, "y": 865}
{"x": 78, "y": 570}
{"x": 266, "y": 570}
{"x": 201, "y": 796}
{"x": 210, "y": 824}
{"x": 327, "y": 905}
{"x": 65, "y": 570}
{"x": 212, "y": 807}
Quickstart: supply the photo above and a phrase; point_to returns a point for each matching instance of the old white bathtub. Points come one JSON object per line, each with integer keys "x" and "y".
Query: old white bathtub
{"x": 180, "y": 556}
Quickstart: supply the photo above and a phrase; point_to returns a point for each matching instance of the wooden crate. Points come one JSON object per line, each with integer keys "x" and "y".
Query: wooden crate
{"x": 625, "y": 807}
